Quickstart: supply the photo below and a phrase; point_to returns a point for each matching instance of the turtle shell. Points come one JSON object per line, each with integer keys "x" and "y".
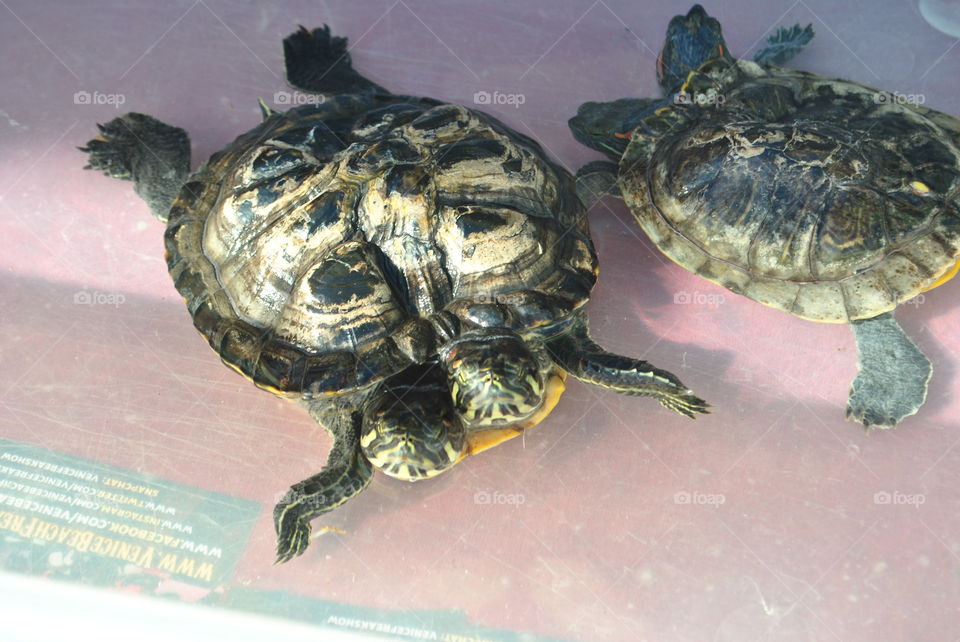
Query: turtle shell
{"x": 317, "y": 252}
{"x": 825, "y": 198}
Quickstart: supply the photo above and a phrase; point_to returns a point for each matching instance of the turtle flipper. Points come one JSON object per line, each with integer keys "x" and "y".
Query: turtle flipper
{"x": 893, "y": 377}
{"x": 346, "y": 473}
{"x": 579, "y": 355}
{"x": 786, "y": 43}
{"x": 152, "y": 154}
{"x": 596, "y": 180}
{"x": 320, "y": 63}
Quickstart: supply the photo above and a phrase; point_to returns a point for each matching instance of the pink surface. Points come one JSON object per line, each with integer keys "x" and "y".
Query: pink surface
{"x": 771, "y": 519}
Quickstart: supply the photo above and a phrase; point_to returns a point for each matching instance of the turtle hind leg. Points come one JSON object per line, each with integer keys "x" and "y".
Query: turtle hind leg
{"x": 596, "y": 180}
{"x": 152, "y": 154}
{"x": 893, "y": 377}
{"x": 346, "y": 473}
{"x": 579, "y": 355}
{"x": 320, "y": 63}
{"x": 784, "y": 45}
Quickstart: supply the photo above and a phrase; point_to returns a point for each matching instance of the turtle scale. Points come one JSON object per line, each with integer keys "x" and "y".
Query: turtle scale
{"x": 876, "y": 221}
{"x": 307, "y": 320}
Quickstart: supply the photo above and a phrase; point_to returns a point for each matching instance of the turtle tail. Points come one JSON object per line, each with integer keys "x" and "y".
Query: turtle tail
{"x": 319, "y": 62}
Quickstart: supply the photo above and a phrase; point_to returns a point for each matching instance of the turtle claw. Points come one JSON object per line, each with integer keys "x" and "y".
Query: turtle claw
{"x": 292, "y": 526}
{"x": 130, "y": 140}
{"x": 293, "y": 542}
{"x": 105, "y": 155}
{"x": 688, "y": 404}
{"x": 862, "y": 412}
{"x": 872, "y": 404}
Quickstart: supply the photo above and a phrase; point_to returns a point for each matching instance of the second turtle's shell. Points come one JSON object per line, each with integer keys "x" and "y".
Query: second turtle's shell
{"x": 825, "y": 198}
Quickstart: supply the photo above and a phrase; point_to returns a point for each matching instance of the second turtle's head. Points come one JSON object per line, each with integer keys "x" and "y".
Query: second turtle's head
{"x": 410, "y": 429}
{"x": 494, "y": 378}
{"x": 606, "y": 127}
{"x": 692, "y": 40}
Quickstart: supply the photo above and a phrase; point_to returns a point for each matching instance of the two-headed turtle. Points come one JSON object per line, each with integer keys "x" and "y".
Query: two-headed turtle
{"x": 414, "y": 272}
{"x": 821, "y": 197}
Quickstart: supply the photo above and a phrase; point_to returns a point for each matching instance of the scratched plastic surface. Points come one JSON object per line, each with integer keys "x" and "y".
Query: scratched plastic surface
{"x": 771, "y": 518}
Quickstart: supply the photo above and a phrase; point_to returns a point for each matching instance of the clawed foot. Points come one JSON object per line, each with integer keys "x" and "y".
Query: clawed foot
{"x": 688, "y": 405}
{"x": 872, "y": 404}
{"x": 111, "y": 152}
{"x": 140, "y": 148}
{"x": 132, "y": 139}
{"x": 292, "y": 524}
{"x": 862, "y": 411}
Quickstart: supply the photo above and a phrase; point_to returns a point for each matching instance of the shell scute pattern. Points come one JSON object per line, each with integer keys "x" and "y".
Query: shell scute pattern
{"x": 837, "y": 196}
{"x": 318, "y": 244}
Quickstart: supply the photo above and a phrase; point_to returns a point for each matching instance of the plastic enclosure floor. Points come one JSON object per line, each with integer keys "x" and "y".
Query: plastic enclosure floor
{"x": 771, "y": 518}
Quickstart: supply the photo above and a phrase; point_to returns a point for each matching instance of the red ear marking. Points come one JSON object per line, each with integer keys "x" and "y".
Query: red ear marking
{"x": 627, "y": 135}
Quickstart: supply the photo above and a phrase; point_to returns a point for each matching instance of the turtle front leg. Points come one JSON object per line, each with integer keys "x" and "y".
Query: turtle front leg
{"x": 893, "y": 377}
{"x": 579, "y": 355}
{"x": 346, "y": 473}
{"x": 152, "y": 154}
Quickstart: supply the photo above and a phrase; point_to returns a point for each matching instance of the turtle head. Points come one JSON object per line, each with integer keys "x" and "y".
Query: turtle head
{"x": 411, "y": 430}
{"x": 606, "y": 127}
{"x": 692, "y": 40}
{"x": 494, "y": 378}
